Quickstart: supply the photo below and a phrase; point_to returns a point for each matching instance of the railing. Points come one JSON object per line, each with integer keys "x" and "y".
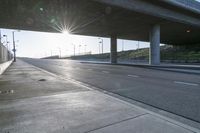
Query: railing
{"x": 189, "y": 3}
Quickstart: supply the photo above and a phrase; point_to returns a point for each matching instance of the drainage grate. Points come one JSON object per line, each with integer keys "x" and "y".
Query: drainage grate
{"x": 42, "y": 80}
{"x": 7, "y": 92}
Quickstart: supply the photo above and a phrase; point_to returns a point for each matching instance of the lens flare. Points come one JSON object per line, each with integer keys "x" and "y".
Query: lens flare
{"x": 66, "y": 32}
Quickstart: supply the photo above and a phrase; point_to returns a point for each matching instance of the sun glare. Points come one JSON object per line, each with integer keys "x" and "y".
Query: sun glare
{"x": 66, "y": 32}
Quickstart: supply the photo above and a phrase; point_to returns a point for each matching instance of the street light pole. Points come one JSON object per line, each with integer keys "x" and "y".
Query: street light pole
{"x": 99, "y": 48}
{"x": 74, "y": 49}
{"x": 101, "y": 42}
{"x": 122, "y": 45}
{"x": 138, "y": 45}
{"x": 85, "y": 48}
{"x": 79, "y": 50}
{"x": 0, "y": 37}
{"x": 51, "y": 54}
{"x": 14, "y": 48}
{"x": 59, "y": 49}
{"x": 102, "y": 46}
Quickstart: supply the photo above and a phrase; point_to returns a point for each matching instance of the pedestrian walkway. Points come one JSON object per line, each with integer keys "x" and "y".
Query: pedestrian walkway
{"x": 34, "y": 101}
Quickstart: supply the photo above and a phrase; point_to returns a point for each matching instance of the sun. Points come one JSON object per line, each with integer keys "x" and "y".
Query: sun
{"x": 66, "y": 32}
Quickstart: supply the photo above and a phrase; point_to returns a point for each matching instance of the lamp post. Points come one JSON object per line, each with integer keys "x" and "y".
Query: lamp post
{"x": 14, "y": 49}
{"x": 99, "y": 48}
{"x": 85, "y": 48}
{"x": 138, "y": 45}
{"x": 122, "y": 45}
{"x": 0, "y": 37}
{"x": 59, "y": 49}
{"x": 101, "y": 42}
{"x": 79, "y": 49}
{"x": 74, "y": 49}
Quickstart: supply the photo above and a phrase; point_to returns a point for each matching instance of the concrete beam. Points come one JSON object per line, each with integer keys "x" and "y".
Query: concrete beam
{"x": 146, "y": 7}
{"x": 154, "y": 53}
{"x": 113, "y": 50}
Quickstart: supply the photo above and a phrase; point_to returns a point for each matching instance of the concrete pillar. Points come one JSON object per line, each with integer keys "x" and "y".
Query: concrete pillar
{"x": 154, "y": 53}
{"x": 113, "y": 50}
{"x": 1, "y": 54}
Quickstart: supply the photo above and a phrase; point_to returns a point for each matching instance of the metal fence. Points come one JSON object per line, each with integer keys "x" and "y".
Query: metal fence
{"x": 5, "y": 54}
{"x": 189, "y": 3}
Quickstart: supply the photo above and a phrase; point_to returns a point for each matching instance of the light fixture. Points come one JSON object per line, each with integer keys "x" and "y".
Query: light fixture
{"x": 188, "y": 31}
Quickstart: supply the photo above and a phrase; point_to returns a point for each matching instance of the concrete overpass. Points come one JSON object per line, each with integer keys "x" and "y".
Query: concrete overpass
{"x": 174, "y": 22}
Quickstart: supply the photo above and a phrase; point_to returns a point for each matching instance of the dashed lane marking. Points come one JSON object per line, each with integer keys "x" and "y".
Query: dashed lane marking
{"x": 133, "y": 76}
{"x": 105, "y": 72}
{"x": 186, "y": 83}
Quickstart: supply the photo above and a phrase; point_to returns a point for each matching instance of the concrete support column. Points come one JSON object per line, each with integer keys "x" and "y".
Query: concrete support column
{"x": 154, "y": 53}
{"x": 1, "y": 53}
{"x": 113, "y": 50}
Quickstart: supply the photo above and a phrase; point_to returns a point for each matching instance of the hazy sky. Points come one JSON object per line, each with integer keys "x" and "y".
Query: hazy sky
{"x": 40, "y": 44}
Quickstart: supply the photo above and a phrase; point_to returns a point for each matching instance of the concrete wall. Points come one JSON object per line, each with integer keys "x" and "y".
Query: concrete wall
{"x": 4, "y": 66}
{"x": 6, "y": 58}
{"x": 5, "y": 55}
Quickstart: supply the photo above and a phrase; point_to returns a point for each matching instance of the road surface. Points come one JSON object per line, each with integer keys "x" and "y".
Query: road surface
{"x": 174, "y": 92}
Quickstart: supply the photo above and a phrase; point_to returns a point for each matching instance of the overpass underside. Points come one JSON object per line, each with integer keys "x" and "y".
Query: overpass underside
{"x": 155, "y": 21}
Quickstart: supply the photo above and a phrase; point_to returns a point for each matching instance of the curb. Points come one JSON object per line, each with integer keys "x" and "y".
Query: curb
{"x": 125, "y": 100}
{"x": 156, "y": 67}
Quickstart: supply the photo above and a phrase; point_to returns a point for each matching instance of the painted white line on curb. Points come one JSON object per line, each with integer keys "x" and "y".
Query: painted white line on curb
{"x": 134, "y": 76}
{"x": 105, "y": 72}
{"x": 186, "y": 83}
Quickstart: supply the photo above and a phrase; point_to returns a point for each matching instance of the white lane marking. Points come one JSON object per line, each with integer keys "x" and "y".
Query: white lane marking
{"x": 105, "y": 72}
{"x": 186, "y": 83}
{"x": 134, "y": 76}
{"x": 90, "y": 69}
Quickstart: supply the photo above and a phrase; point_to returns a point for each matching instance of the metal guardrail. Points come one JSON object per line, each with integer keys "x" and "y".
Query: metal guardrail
{"x": 189, "y": 3}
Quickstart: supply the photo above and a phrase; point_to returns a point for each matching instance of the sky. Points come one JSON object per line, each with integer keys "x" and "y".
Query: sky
{"x": 41, "y": 44}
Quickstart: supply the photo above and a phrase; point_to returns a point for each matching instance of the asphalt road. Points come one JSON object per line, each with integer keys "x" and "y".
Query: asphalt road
{"x": 174, "y": 92}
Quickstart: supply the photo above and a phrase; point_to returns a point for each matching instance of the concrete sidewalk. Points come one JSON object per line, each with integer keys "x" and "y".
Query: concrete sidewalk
{"x": 34, "y": 101}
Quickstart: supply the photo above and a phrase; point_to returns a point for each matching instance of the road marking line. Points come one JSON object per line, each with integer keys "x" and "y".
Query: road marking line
{"x": 90, "y": 69}
{"x": 186, "y": 83}
{"x": 134, "y": 76}
{"x": 105, "y": 72}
